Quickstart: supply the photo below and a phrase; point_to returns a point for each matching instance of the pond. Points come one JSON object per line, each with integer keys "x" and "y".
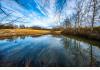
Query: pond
{"x": 47, "y": 50}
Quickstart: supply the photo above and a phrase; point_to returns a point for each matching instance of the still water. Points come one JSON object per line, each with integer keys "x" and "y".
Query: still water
{"x": 48, "y": 50}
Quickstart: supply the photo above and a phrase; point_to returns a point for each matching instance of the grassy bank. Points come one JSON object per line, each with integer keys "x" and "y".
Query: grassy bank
{"x": 19, "y": 32}
{"x": 23, "y": 32}
{"x": 84, "y": 33}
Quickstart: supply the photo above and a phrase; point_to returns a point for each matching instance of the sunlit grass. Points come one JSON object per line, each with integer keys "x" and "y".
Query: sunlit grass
{"x": 13, "y": 32}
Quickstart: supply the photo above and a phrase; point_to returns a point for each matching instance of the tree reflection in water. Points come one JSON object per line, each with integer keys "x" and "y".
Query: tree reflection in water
{"x": 81, "y": 56}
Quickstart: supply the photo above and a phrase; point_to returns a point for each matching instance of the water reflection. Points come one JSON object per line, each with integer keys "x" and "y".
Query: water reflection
{"x": 47, "y": 50}
{"x": 84, "y": 54}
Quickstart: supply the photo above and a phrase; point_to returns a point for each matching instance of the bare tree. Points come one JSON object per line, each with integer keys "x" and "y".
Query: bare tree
{"x": 79, "y": 12}
{"x": 67, "y": 23}
{"x": 93, "y": 13}
{"x": 59, "y": 8}
{"x": 95, "y": 8}
{"x": 1, "y": 9}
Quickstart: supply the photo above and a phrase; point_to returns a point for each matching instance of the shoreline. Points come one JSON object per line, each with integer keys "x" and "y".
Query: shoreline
{"x": 33, "y": 32}
{"x": 21, "y": 32}
{"x": 83, "y": 39}
{"x": 24, "y": 32}
{"x": 83, "y": 34}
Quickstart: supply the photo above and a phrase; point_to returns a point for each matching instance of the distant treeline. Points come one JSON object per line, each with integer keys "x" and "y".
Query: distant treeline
{"x": 7, "y": 26}
{"x": 13, "y": 26}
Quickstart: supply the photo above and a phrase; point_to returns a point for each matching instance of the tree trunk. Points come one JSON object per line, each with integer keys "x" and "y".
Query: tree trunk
{"x": 93, "y": 17}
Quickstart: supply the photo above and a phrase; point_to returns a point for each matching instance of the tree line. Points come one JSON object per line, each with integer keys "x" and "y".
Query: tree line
{"x": 86, "y": 14}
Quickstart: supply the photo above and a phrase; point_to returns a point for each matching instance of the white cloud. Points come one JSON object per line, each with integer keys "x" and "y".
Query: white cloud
{"x": 34, "y": 19}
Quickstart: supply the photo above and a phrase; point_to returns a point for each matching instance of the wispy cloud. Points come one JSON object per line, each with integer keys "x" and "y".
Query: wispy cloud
{"x": 38, "y": 12}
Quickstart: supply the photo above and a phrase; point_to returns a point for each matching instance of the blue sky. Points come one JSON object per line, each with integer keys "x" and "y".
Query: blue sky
{"x": 44, "y": 13}
{"x": 34, "y": 12}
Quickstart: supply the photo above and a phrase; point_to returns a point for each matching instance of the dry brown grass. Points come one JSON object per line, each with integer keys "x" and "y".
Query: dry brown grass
{"x": 84, "y": 32}
{"x": 13, "y": 32}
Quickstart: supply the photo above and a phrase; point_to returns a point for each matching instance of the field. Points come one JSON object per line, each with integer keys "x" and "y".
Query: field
{"x": 22, "y": 32}
{"x": 18, "y": 32}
